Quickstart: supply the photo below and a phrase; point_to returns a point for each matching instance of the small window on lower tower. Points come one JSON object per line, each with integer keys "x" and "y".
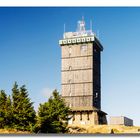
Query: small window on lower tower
{"x": 88, "y": 116}
{"x": 80, "y": 115}
{"x": 73, "y": 116}
{"x": 69, "y": 81}
{"x": 96, "y": 94}
{"x": 70, "y": 67}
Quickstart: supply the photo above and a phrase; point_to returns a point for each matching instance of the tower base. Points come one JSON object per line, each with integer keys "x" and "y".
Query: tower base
{"x": 87, "y": 116}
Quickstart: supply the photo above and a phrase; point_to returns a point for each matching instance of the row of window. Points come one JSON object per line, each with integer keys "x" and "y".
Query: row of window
{"x": 81, "y": 116}
{"x": 83, "y": 49}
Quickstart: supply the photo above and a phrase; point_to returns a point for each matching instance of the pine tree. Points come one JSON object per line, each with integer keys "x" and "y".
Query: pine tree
{"x": 23, "y": 111}
{"x": 8, "y": 113}
{"x": 15, "y": 106}
{"x": 3, "y": 98}
{"x": 26, "y": 111}
{"x": 53, "y": 115}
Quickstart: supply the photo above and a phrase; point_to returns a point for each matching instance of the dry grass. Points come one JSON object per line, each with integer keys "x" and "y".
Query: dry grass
{"x": 89, "y": 129}
{"x": 104, "y": 129}
{"x": 12, "y": 131}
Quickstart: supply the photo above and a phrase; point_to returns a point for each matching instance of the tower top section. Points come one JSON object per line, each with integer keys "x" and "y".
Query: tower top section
{"x": 81, "y": 31}
{"x": 80, "y": 36}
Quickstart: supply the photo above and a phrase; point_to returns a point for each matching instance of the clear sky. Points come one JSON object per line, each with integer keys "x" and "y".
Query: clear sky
{"x": 30, "y": 53}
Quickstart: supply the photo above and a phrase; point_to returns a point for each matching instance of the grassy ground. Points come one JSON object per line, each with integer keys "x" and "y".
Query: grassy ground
{"x": 12, "y": 131}
{"x": 89, "y": 129}
{"x": 104, "y": 129}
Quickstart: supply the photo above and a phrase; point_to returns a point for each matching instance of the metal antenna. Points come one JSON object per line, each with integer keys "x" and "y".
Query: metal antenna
{"x": 77, "y": 26}
{"x": 81, "y": 25}
{"x": 82, "y": 18}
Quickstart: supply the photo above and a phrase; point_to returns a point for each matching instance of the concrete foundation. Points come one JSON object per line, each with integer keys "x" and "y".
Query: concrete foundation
{"x": 87, "y": 117}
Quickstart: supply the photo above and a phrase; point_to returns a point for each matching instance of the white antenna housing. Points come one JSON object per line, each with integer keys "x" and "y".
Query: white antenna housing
{"x": 81, "y": 30}
{"x": 81, "y": 25}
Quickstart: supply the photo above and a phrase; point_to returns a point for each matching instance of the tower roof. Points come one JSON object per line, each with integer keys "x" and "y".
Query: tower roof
{"x": 80, "y": 36}
{"x": 81, "y": 31}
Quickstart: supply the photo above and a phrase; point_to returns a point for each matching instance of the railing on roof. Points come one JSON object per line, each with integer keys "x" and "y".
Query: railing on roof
{"x": 77, "y": 34}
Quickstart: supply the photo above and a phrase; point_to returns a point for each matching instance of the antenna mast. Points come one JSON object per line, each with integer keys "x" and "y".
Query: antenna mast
{"x": 81, "y": 25}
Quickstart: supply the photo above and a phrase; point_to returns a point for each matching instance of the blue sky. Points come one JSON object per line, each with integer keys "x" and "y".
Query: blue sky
{"x": 30, "y": 53}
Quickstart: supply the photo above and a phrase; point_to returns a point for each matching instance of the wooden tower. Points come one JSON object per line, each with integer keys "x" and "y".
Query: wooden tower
{"x": 81, "y": 76}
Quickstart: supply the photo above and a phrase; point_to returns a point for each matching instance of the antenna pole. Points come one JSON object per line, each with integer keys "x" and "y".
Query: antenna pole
{"x": 82, "y": 18}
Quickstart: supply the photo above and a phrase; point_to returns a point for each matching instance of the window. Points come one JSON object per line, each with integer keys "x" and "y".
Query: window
{"x": 96, "y": 94}
{"x": 70, "y": 67}
{"x": 69, "y": 81}
{"x": 88, "y": 116}
{"x": 80, "y": 115}
{"x": 83, "y": 48}
{"x": 70, "y": 50}
{"x": 73, "y": 116}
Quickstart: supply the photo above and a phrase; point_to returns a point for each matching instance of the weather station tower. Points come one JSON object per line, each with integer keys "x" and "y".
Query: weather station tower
{"x": 81, "y": 75}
